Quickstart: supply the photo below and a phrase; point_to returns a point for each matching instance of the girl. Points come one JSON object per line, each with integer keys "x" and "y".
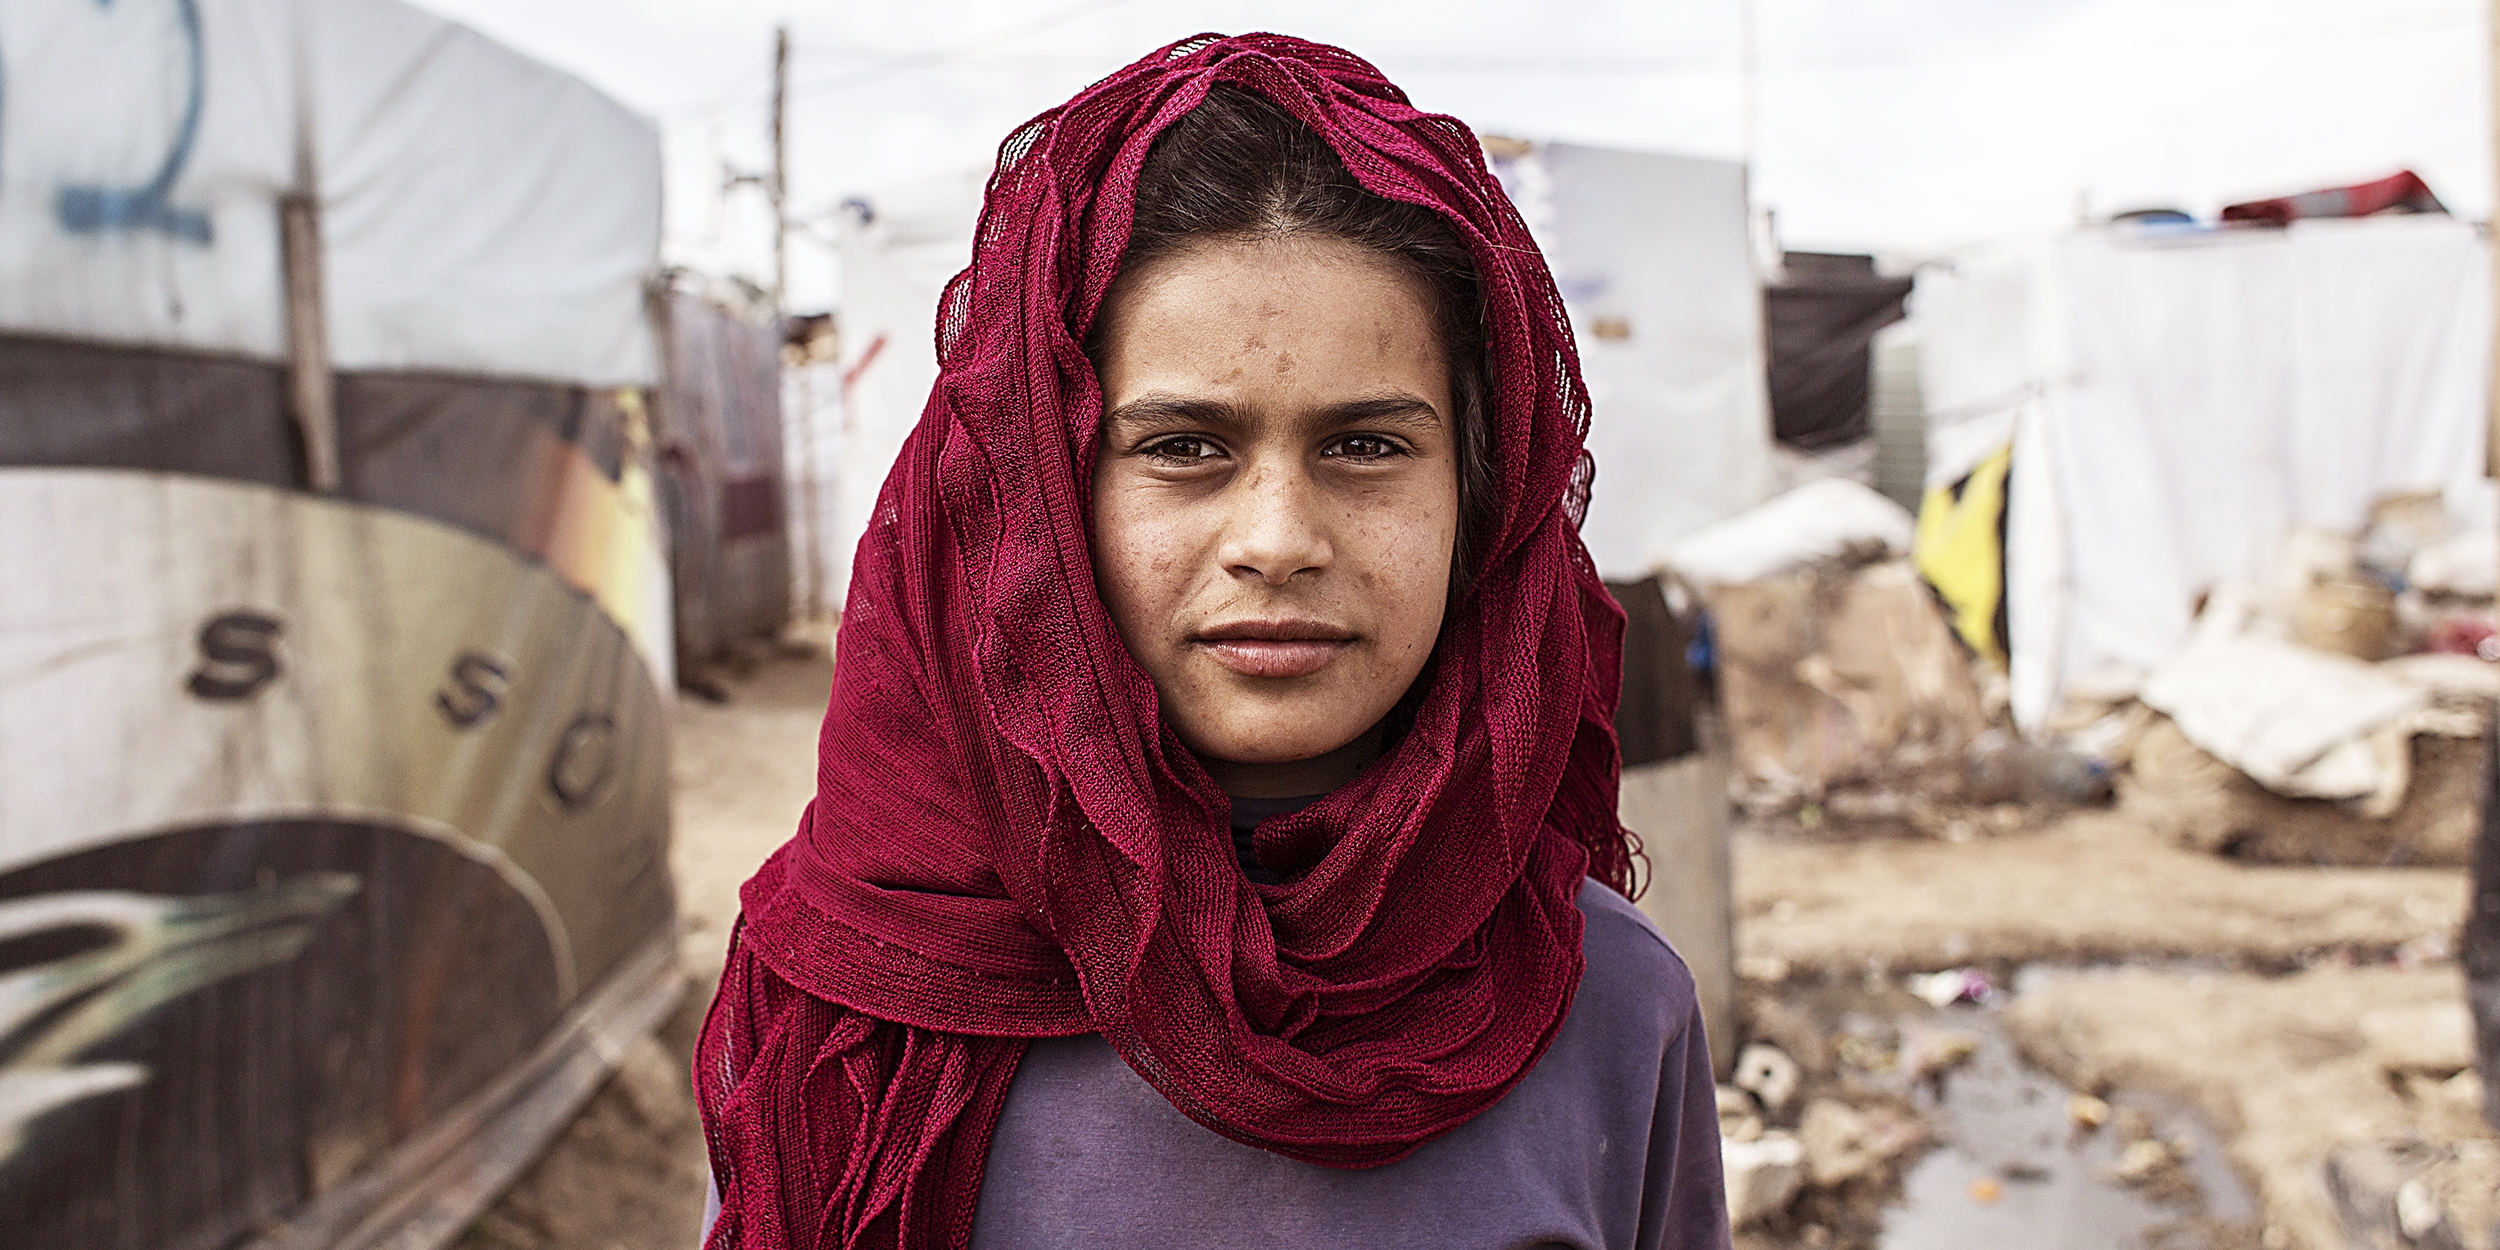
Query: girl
{"x": 1215, "y": 837}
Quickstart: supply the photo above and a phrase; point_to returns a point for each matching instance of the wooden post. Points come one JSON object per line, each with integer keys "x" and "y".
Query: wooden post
{"x": 2482, "y": 910}
{"x": 309, "y": 392}
{"x": 1680, "y": 809}
{"x": 779, "y": 187}
{"x": 811, "y": 540}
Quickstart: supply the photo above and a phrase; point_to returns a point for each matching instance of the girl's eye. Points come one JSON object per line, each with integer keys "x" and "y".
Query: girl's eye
{"x": 1364, "y": 447}
{"x": 1183, "y": 449}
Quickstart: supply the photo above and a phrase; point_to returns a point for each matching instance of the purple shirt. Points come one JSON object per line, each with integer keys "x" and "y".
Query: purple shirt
{"x": 1612, "y": 1140}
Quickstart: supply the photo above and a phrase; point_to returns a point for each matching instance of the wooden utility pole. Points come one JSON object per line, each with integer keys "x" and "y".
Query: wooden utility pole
{"x": 780, "y": 184}
{"x": 310, "y": 395}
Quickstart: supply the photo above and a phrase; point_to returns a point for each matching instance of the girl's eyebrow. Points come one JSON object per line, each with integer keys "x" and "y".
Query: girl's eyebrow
{"x": 1162, "y": 410}
{"x": 1392, "y": 408}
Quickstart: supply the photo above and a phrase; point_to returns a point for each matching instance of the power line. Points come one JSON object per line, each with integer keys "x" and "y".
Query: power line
{"x": 895, "y": 63}
{"x": 874, "y": 65}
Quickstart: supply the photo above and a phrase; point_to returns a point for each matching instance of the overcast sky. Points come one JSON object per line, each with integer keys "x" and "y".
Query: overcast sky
{"x": 1891, "y": 125}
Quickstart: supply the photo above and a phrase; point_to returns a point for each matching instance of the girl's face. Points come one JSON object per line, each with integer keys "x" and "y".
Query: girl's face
{"x": 1275, "y": 500}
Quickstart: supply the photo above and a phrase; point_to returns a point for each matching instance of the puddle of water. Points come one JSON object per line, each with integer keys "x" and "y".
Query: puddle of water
{"x": 2011, "y": 1170}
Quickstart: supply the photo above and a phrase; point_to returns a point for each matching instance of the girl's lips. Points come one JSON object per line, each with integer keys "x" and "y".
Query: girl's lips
{"x": 1274, "y": 657}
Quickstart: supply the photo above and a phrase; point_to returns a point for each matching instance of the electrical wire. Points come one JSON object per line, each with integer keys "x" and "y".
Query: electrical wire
{"x": 871, "y": 66}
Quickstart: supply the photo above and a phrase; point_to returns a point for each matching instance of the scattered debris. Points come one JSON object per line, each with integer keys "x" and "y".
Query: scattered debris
{"x": 1739, "y": 1119}
{"x": 1767, "y": 1073}
{"x": 1866, "y": 1051}
{"x": 1926, "y": 1053}
{"x": 2199, "y": 802}
{"x": 1791, "y": 1029}
{"x": 2087, "y": 1112}
{"x": 1762, "y": 1175}
{"x": 2141, "y": 1161}
{"x": 1843, "y": 1143}
{"x": 2400, "y": 1195}
{"x": 1954, "y": 985}
{"x": 1768, "y": 969}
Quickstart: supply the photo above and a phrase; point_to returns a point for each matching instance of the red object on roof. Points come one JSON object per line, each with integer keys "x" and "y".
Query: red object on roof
{"x": 2401, "y": 190}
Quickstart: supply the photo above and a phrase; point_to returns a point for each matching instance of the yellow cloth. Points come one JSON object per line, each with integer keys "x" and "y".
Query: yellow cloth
{"x": 1959, "y": 552}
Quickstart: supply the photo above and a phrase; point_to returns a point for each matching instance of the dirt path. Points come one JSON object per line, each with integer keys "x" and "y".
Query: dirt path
{"x": 2096, "y": 887}
{"x": 630, "y": 1173}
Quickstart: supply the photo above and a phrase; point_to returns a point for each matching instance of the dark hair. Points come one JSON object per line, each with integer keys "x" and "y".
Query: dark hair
{"x": 1239, "y": 167}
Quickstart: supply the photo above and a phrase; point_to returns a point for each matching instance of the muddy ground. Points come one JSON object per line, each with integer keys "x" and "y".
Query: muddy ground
{"x": 2275, "y": 1012}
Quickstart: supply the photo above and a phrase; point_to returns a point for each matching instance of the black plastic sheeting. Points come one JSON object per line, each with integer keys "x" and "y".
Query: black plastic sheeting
{"x": 1821, "y": 323}
{"x": 477, "y": 454}
{"x": 1654, "y": 721}
{"x": 484, "y": 454}
{"x": 76, "y": 405}
{"x": 472, "y": 452}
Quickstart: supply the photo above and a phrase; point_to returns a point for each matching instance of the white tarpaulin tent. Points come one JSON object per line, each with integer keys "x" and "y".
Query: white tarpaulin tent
{"x": 1652, "y": 257}
{"x": 143, "y": 151}
{"x": 898, "y": 248}
{"x": 334, "y": 660}
{"x": 2178, "y": 403}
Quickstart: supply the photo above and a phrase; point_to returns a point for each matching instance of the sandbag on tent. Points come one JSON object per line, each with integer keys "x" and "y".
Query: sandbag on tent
{"x": 333, "y": 665}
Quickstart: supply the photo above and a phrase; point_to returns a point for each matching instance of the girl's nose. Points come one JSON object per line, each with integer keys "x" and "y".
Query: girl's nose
{"x": 1274, "y": 531}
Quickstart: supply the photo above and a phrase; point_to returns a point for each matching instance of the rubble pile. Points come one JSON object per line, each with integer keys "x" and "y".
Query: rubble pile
{"x": 2326, "y": 716}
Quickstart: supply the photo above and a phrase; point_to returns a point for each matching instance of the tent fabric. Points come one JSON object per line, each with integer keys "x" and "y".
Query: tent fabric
{"x": 2403, "y": 190}
{"x": 898, "y": 247}
{"x": 720, "y": 455}
{"x": 1654, "y": 257}
{"x": 1821, "y": 321}
{"x": 546, "y": 469}
{"x": 1961, "y": 552}
{"x": 78, "y": 405}
{"x": 481, "y": 213}
{"x": 2177, "y": 405}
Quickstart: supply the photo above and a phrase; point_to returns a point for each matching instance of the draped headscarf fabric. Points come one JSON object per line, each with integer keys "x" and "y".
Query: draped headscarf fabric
{"x": 1007, "y": 842}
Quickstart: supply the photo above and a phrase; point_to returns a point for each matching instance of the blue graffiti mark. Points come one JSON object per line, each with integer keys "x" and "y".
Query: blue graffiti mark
{"x": 103, "y": 209}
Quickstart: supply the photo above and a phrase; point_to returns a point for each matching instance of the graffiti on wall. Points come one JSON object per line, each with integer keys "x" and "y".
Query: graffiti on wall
{"x": 148, "y": 204}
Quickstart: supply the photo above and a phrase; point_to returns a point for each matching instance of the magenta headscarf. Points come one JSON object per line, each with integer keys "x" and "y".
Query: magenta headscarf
{"x": 1007, "y": 841}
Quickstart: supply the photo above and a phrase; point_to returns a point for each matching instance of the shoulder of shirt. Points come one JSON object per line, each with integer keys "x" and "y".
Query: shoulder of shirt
{"x": 1622, "y": 946}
